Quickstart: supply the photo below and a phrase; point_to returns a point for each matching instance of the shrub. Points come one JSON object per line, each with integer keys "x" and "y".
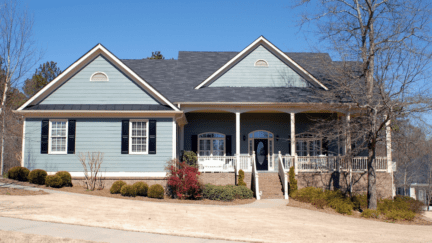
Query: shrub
{"x": 116, "y": 187}
{"x": 141, "y": 188}
{"x": 400, "y": 215}
{"x": 241, "y": 178}
{"x": 413, "y": 205}
{"x": 242, "y": 192}
{"x": 18, "y": 173}
{"x": 292, "y": 181}
{"x": 226, "y": 193}
{"x": 370, "y": 213}
{"x": 183, "y": 181}
{"x": 66, "y": 178}
{"x": 156, "y": 191}
{"x": 360, "y": 202}
{"x": 128, "y": 191}
{"x": 190, "y": 158}
{"x": 342, "y": 206}
{"x": 53, "y": 181}
{"x": 37, "y": 176}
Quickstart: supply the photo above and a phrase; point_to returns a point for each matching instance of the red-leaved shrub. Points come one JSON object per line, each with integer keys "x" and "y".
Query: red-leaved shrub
{"x": 183, "y": 181}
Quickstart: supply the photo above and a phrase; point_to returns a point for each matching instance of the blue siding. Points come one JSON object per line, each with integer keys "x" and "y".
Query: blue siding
{"x": 245, "y": 74}
{"x": 118, "y": 90}
{"x": 99, "y": 135}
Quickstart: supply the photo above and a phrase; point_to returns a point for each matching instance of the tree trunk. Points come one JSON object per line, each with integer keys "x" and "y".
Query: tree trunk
{"x": 2, "y": 144}
{"x": 372, "y": 193}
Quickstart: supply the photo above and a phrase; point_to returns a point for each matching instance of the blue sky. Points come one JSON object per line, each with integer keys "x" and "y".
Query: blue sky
{"x": 133, "y": 29}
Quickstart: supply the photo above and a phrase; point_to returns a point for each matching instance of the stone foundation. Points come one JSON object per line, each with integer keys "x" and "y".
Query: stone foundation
{"x": 129, "y": 180}
{"x": 331, "y": 181}
{"x": 220, "y": 179}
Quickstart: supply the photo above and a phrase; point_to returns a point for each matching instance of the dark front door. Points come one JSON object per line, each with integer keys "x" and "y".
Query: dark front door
{"x": 261, "y": 152}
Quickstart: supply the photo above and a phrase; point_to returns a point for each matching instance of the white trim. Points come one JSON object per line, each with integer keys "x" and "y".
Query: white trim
{"x": 49, "y": 136}
{"x": 260, "y": 40}
{"x": 292, "y": 134}
{"x": 211, "y": 145}
{"x": 174, "y": 139}
{"x": 23, "y": 143}
{"x": 98, "y": 49}
{"x": 93, "y": 114}
{"x": 130, "y": 135}
{"x": 270, "y": 152}
{"x": 107, "y": 175}
{"x": 255, "y": 64}
{"x": 99, "y": 80}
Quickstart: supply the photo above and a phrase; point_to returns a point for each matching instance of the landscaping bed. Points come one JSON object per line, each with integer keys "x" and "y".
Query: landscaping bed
{"x": 106, "y": 193}
{"x": 20, "y": 192}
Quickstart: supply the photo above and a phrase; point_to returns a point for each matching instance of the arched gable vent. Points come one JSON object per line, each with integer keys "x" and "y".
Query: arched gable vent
{"x": 99, "y": 76}
{"x": 261, "y": 63}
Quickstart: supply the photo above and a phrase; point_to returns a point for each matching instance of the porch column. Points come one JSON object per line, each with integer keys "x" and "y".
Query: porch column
{"x": 182, "y": 138}
{"x": 237, "y": 141}
{"x": 293, "y": 142}
{"x": 348, "y": 147}
{"x": 389, "y": 149}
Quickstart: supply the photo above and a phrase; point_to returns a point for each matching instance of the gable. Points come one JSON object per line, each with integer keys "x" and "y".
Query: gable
{"x": 251, "y": 71}
{"x": 119, "y": 89}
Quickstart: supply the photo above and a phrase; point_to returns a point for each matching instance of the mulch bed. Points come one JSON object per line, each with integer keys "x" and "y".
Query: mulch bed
{"x": 105, "y": 193}
{"x": 418, "y": 220}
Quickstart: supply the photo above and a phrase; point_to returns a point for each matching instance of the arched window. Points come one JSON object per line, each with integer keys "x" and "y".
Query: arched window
{"x": 211, "y": 143}
{"x": 261, "y": 63}
{"x": 99, "y": 76}
{"x": 261, "y": 134}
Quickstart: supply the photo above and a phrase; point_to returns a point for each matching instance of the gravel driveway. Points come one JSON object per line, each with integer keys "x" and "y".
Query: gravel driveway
{"x": 263, "y": 221}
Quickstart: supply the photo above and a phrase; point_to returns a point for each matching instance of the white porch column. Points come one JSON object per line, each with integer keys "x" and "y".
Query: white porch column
{"x": 293, "y": 142}
{"x": 348, "y": 147}
{"x": 389, "y": 149}
{"x": 182, "y": 137}
{"x": 237, "y": 141}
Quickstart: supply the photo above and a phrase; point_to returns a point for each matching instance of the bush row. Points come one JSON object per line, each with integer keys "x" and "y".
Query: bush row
{"x": 40, "y": 177}
{"x": 226, "y": 193}
{"x": 399, "y": 208}
{"x": 137, "y": 189}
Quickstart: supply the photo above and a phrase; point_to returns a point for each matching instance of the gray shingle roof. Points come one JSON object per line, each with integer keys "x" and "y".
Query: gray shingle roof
{"x": 176, "y": 79}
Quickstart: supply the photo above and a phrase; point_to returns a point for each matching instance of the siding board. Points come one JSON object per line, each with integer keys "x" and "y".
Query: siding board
{"x": 99, "y": 135}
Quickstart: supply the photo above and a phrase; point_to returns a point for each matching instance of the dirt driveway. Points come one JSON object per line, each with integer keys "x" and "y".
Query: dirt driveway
{"x": 253, "y": 222}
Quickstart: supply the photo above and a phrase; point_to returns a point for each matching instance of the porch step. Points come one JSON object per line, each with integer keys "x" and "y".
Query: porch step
{"x": 270, "y": 185}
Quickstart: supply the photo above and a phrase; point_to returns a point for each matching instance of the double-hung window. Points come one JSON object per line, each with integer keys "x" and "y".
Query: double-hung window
{"x": 138, "y": 139}
{"x": 58, "y": 136}
{"x": 211, "y": 144}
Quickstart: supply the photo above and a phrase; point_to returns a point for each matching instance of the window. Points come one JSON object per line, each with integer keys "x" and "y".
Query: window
{"x": 58, "y": 132}
{"x": 261, "y": 63}
{"x": 99, "y": 76}
{"x": 308, "y": 146}
{"x": 138, "y": 139}
{"x": 211, "y": 144}
{"x": 261, "y": 134}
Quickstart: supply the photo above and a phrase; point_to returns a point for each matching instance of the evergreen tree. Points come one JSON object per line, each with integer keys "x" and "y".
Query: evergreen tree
{"x": 156, "y": 55}
{"x": 42, "y": 76}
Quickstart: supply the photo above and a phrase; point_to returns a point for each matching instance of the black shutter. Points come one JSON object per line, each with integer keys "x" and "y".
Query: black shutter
{"x": 152, "y": 137}
{"x": 125, "y": 137}
{"x": 194, "y": 143}
{"x": 44, "y": 136}
{"x": 228, "y": 144}
{"x": 71, "y": 136}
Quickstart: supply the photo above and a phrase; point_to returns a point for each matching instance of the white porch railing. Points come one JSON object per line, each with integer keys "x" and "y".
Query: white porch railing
{"x": 283, "y": 176}
{"x": 302, "y": 163}
{"x": 255, "y": 178}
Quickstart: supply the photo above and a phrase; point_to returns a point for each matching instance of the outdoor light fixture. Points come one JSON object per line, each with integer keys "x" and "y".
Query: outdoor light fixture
{"x": 277, "y": 138}
{"x": 244, "y": 137}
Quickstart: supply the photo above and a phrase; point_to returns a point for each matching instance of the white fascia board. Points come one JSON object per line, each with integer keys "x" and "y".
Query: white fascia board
{"x": 98, "y": 49}
{"x": 96, "y": 113}
{"x": 261, "y": 40}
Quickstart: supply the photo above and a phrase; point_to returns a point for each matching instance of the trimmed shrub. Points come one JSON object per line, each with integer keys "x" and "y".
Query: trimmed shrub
{"x": 370, "y": 213}
{"x": 242, "y": 192}
{"x": 400, "y": 215}
{"x": 37, "y": 176}
{"x": 292, "y": 187}
{"x": 241, "y": 178}
{"x": 156, "y": 191}
{"x": 116, "y": 187}
{"x": 53, "y": 181}
{"x": 18, "y": 173}
{"x": 360, "y": 202}
{"x": 183, "y": 181}
{"x": 128, "y": 191}
{"x": 226, "y": 193}
{"x": 342, "y": 206}
{"x": 413, "y": 205}
{"x": 141, "y": 188}
{"x": 66, "y": 178}
{"x": 190, "y": 158}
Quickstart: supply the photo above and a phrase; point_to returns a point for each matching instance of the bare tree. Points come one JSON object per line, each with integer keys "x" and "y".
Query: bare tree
{"x": 385, "y": 52}
{"x": 18, "y": 55}
{"x": 91, "y": 162}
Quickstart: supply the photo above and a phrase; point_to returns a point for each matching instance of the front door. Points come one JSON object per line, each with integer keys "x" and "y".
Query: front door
{"x": 261, "y": 152}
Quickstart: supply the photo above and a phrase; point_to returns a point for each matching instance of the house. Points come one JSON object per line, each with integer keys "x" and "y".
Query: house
{"x": 236, "y": 110}
{"x": 418, "y": 191}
